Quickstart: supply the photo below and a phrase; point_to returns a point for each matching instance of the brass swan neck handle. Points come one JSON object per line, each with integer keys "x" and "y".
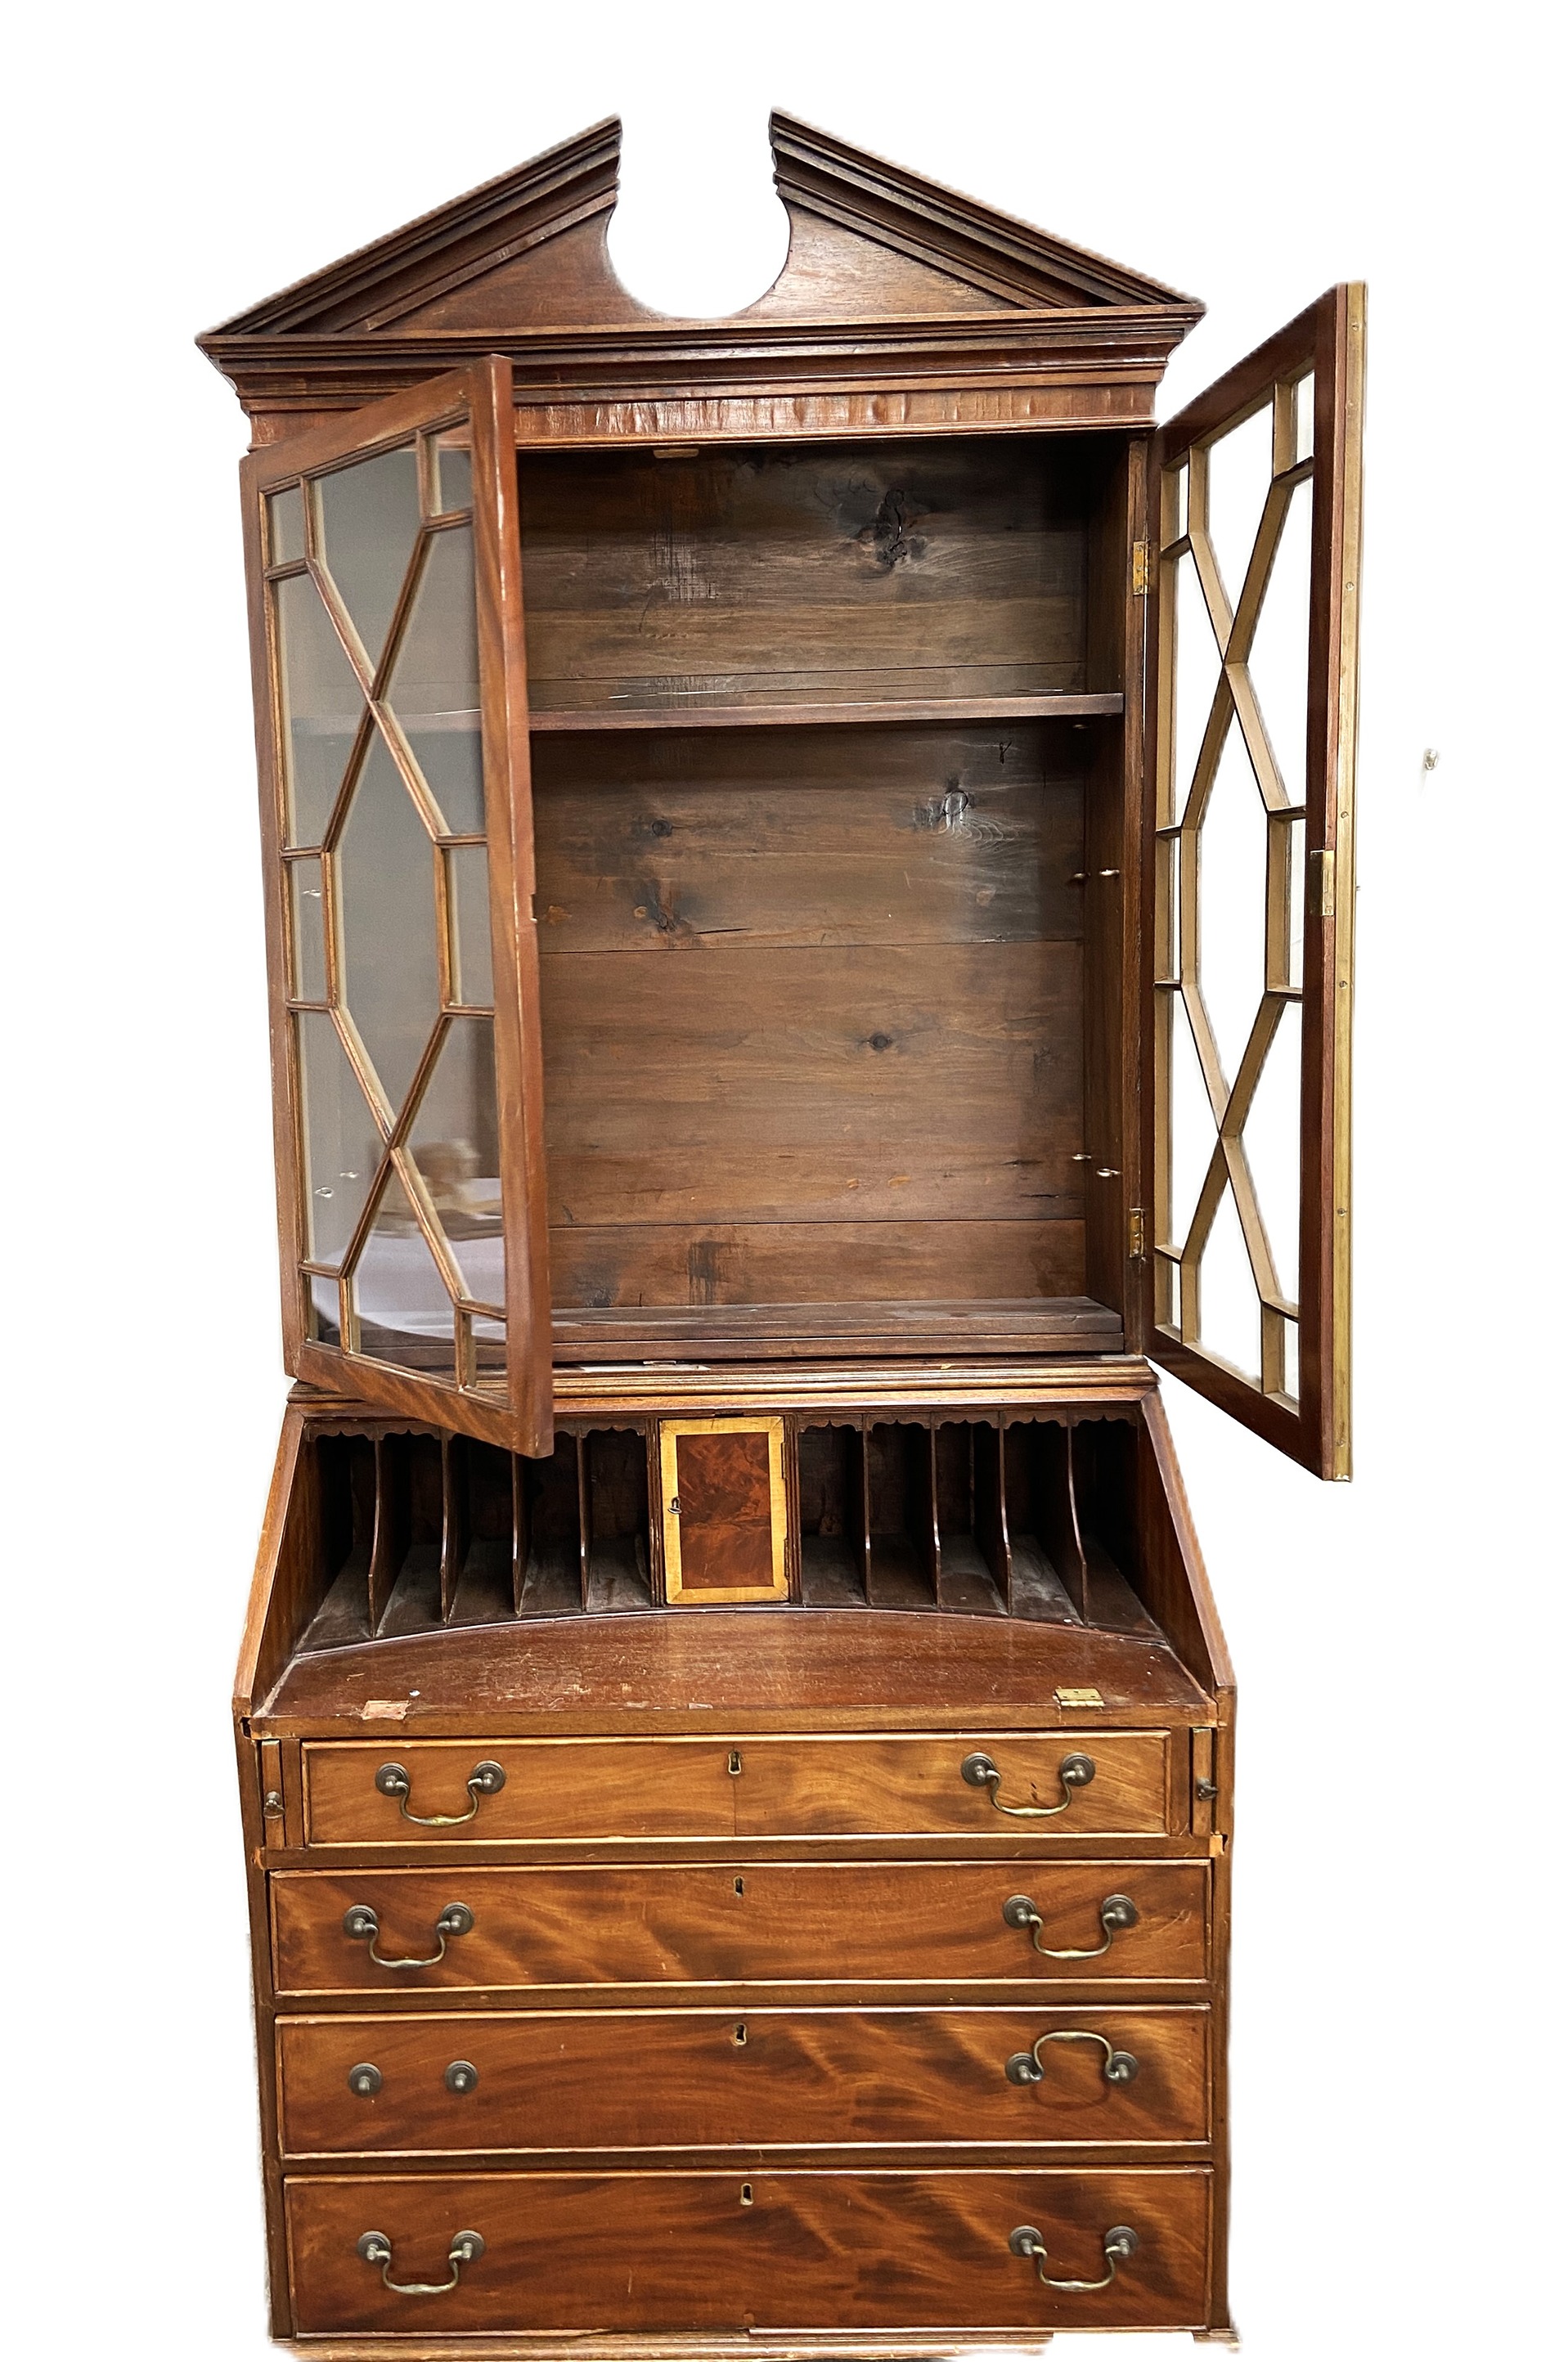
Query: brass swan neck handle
{"x": 1028, "y": 2067}
{"x": 486, "y": 1779}
{"x": 362, "y": 1925}
{"x": 1116, "y": 1913}
{"x": 1119, "y": 2242}
{"x": 375, "y": 2248}
{"x": 1075, "y": 1772}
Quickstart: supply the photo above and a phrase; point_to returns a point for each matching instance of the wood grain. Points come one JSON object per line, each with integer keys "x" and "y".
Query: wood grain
{"x": 559, "y": 1791}
{"x": 675, "y": 2079}
{"x": 890, "y": 1922}
{"x": 770, "y": 1671}
{"x": 869, "y": 1330}
{"x": 708, "y": 2251}
{"x": 782, "y": 1076}
{"x": 648, "y": 576}
{"x": 787, "y": 1264}
{"x": 692, "y": 839}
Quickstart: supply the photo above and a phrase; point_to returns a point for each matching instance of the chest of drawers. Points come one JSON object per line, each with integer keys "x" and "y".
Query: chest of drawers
{"x": 741, "y": 1981}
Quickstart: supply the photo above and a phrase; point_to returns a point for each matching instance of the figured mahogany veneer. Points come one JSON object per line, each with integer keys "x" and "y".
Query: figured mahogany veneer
{"x": 561, "y": 1790}
{"x": 774, "y": 2250}
{"x": 765, "y": 2078}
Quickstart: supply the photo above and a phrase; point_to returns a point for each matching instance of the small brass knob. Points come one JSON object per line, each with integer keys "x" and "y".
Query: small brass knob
{"x": 365, "y": 2081}
{"x": 460, "y": 2076}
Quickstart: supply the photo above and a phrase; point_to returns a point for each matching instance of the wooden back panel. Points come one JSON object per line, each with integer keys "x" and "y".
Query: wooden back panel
{"x": 931, "y": 567}
{"x": 812, "y": 1013}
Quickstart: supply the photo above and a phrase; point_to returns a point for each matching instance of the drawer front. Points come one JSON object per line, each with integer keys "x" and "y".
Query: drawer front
{"x": 440, "y": 1791}
{"x": 717, "y": 2252}
{"x": 980, "y": 1783}
{"x": 567, "y": 1789}
{"x": 735, "y": 1923}
{"x": 708, "y": 2079}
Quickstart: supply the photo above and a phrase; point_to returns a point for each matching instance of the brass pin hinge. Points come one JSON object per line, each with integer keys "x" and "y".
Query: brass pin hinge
{"x": 1320, "y": 885}
{"x": 1137, "y": 1245}
{"x": 1140, "y": 569}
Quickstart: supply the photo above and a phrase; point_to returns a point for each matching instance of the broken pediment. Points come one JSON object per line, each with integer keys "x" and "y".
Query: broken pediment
{"x": 529, "y": 253}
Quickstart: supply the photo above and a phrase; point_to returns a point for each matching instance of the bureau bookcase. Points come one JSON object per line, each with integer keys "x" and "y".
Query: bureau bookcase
{"x": 808, "y": 891}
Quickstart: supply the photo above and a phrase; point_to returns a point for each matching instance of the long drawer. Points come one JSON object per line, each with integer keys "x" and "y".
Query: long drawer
{"x": 679, "y": 2078}
{"x": 494, "y": 1929}
{"x": 717, "y": 2251}
{"x": 534, "y": 1791}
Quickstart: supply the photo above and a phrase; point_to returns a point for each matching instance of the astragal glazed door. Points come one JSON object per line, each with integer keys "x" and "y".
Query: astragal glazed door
{"x": 1253, "y": 693}
{"x": 392, "y": 733}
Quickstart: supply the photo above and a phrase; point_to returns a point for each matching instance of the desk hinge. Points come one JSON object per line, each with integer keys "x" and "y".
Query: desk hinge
{"x": 1137, "y": 1245}
{"x": 1320, "y": 885}
{"x": 1140, "y": 569}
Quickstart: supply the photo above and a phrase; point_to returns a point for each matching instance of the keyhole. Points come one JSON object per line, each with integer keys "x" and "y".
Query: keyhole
{"x": 738, "y": 2037}
{"x": 740, "y": 1886}
{"x": 734, "y": 1764}
{"x": 745, "y": 2194}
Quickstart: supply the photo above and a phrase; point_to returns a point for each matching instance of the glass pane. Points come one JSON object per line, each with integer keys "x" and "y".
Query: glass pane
{"x": 404, "y": 1312}
{"x": 1197, "y": 671}
{"x": 322, "y": 1300}
{"x": 1167, "y": 907}
{"x": 1292, "y": 1361}
{"x": 1231, "y": 908}
{"x": 490, "y": 1344}
{"x": 285, "y": 526}
{"x": 1278, "y": 662}
{"x": 1272, "y": 1137}
{"x": 453, "y": 470}
{"x": 434, "y": 683}
{"x": 1181, "y": 499}
{"x": 369, "y": 518}
{"x": 323, "y": 707}
{"x": 1306, "y": 401}
{"x": 468, "y": 902}
{"x": 1240, "y": 469}
{"x": 1192, "y": 1134}
{"x": 342, "y": 1146}
{"x": 455, "y": 1142}
{"x": 451, "y": 762}
{"x": 307, "y": 930}
{"x": 386, "y": 901}
{"x": 1296, "y": 920}
{"x": 1230, "y": 1317}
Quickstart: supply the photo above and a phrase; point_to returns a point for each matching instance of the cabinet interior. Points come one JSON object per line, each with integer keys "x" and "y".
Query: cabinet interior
{"x": 406, "y": 1532}
{"x": 826, "y": 744}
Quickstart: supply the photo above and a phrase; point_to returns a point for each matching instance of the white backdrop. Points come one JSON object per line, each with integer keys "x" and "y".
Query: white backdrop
{"x": 1398, "y": 1640}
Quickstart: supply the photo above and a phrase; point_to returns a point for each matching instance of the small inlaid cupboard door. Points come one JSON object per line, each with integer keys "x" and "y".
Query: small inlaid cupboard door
{"x": 724, "y": 1510}
{"x": 392, "y": 731}
{"x": 1252, "y": 649}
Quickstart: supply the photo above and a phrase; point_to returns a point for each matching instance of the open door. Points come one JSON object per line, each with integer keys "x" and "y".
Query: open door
{"x": 1253, "y": 648}
{"x": 384, "y": 561}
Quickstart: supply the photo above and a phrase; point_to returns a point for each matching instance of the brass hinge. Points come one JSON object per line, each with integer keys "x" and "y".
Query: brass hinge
{"x": 1137, "y": 1245}
{"x": 1320, "y": 885}
{"x": 1140, "y": 569}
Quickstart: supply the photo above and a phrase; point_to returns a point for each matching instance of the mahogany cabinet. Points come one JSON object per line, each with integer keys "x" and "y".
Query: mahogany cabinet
{"x": 809, "y": 875}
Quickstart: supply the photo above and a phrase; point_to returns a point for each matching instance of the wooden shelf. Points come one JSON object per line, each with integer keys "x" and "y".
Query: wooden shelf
{"x": 728, "y": 1332}
{"x": 1047, "y": 705}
